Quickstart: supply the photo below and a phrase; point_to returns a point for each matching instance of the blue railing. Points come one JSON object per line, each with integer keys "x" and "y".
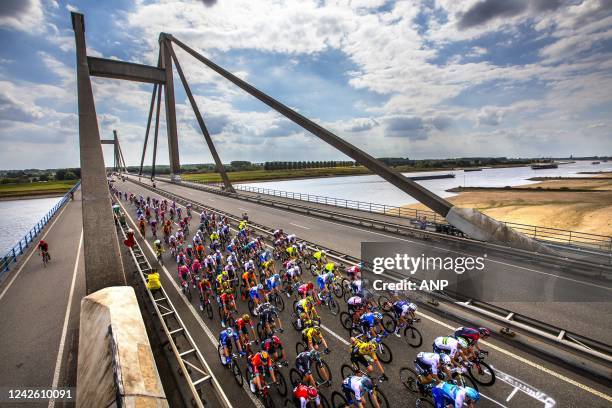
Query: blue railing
{"x": 21, "y": 246}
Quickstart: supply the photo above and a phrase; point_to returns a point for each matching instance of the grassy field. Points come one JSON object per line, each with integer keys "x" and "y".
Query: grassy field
{"x": 584, "y": 211}
{"x": 262, "y": 175}
{"x": 38, "y": 188}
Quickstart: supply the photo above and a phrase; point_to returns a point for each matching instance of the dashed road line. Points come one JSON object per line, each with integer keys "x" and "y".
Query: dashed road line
{"x": 299, "y": 226}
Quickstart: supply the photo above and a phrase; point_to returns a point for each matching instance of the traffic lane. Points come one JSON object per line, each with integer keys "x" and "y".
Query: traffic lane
{"x": 198, "y": 326}
{"x": 32, "y": 311}
{"x": 498, "y": 393}
{"x": 518, "y": 281}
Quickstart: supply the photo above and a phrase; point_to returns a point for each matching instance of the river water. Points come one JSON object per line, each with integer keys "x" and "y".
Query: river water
{"x": 17, "y": 217}
{"x": 372, "y": 188}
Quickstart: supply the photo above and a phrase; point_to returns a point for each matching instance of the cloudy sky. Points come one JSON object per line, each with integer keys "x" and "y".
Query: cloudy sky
{"x": 410, "y": 78}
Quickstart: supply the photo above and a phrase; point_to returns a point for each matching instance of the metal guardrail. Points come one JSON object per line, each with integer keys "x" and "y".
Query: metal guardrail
{"x": 502, "y": 316}
{"x": 21, "y": 246}
{"x": 546, "y": 234}
{"x": 192, "y": 365}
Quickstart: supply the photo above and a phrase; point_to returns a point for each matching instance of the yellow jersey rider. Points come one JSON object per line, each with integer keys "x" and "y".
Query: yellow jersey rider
{"x": 320, "y": 259}
{"x": 364, "y": 352}
{"x": 312, "y": 336}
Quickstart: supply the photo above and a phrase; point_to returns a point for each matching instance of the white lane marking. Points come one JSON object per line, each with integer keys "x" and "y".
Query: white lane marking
{"x": 240, "y": 208}
{"x": 508, "y": 353}
{"x": 299, "y": 226}
{"x": 336, "y": 335}
{"x": 31, "y": 253}
{"x": 60, "y": 352}
{"x": 192, "y": 309}
{"x": 514, "y": 391}
{"x": 525, "y": 388}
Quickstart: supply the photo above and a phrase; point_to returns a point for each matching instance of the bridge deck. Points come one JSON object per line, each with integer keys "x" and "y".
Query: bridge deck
{"x": 536, "y": 377}
{"x": 34, "y": 303}
{"x": 504, "y": 271}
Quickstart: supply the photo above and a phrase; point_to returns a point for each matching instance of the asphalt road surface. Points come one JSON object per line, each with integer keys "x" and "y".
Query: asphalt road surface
{"x": 523, "y": 380}
{"x": 39, "y": 311}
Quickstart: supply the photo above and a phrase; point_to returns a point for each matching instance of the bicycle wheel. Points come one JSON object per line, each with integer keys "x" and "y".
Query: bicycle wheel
{"x": 380, "y": 397}
{"x": 268, "y": 401}
{"x": 299, "y": 347}
{"x": 324, "y": 402}
{"x": 384, "y": 303}
{"x": 295, "y": 306}
{"x": 281, "y": 387}
{"x": 409, "y": 379}
{"x": 277, "y": 300}
{"x": 295, "y": 377}
{"x": 334, "y": 308}
{"x": 221, "y": 354}
{"x": 209, "y": 310}
{"x": 237, "y": 374}
{"x": 313, "y": 270}
{"x": 338, "y": 290}
{"x": 346, "y": 320}
{"x": 260, "y": 330}
{"x": 231, "y": 322}
{"x": 251, "y": 306}
{"x": 482, "y": 373}
{"x": 384, "y": 353}
{"x": 338, "y": 400}
{"x": 389, "y": 322}
{"x": 423, "y": 403}
{"x": 346, "y": 370}
{"x": 294, "y": 322}
{"x": 413, "y": 337}
{"x": 323, "y": 370}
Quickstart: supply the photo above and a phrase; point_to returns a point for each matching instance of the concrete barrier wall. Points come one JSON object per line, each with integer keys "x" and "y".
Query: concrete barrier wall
{"x": 115, "y": 363}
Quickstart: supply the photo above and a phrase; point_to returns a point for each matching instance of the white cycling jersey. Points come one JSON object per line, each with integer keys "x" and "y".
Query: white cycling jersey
{"x": 354, "y": 383}
{"x": 447, "y": 343}
{"x": 354, "y": 301}
{"x": 430, "y": 359}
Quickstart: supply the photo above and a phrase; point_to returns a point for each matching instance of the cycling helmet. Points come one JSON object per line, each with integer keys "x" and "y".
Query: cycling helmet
{"x": 310, "y": 285}
{"x": 378, "y": 315}
{"x": 316, "y": 331}
{"x": 462, "y": 342}
{"x": 229, "y": 331}
{"x": 471, "y": 393}
{"x": 246, "y": 317}
{"x": 264, "y": 356}
{"x": 276, "y": 340}
{"x": 372, "y": 347}
{"x": 189, "y": 246}
{"x": 445, "y": 359}
{"x": 260, "y": 286}
{"x": 366, "y": 383}
{"x": 156, "y": 242}
{"x": 312, "y": 392}
{"x": 484, "y": 332}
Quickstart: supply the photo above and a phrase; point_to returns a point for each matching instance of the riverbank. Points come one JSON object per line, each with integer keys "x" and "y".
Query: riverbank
{"x": 583, "y": 204}
{"x": 283, "y": 175}
{"x": 35, "y": 190}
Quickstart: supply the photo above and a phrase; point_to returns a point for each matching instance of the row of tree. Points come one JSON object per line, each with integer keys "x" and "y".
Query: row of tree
{"x": 293, "y": 165}
{"x": 35, "y": 175}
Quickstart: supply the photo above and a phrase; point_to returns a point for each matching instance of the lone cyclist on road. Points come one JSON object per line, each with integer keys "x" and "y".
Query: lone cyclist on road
{"x": 43, "y": 248}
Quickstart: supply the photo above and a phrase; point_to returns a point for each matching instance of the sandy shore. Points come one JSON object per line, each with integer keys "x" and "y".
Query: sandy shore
{"x": 576, "y": 211}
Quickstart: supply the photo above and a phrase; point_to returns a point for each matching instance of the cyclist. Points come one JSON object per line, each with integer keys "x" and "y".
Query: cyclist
{"x": 446, "y": 394}
{"x": 312, "y": 336}
{"x": 353, "y": 271}
{"x": 303, "y": 363}
{"x": 292, "y": 252}
{"x": 159, "y": 249}
{"x": 184, "y": 275}
{"x": 302, "y": 394}
{"x": 243, "y": 325}
{"x": 402, "y": 310}
{"x": 228, "y": 304}
{"x": 305, "y": 306}
{"x": 354, "y": 304}
{"x": 320, "y": 259}
{"x": 369, "y": 320}
{"x": 256, "y": 367}
{"x": 324, "y": 280}
{"x": 225, "y": 341}
{"x": 267, "y": 312}
{"x": 274, "y": 346}
{"x": 306, "y": 290}
{"x": 181, "y": 259}
{"x": 43, "y": 249}
{"x": 205, "y": 288}
{"x": 153, "y": 283}
{"x": 330, "y": 267}
{"x": 451, "y": 346}
{"x": 355, "y": 388}
{"x": 428, "y": 365}
{"x": 364, "y": 352}
{"x": 471, "y": 336}
{"x": 255, "y": 295}
{"x": 272, "y": 284}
